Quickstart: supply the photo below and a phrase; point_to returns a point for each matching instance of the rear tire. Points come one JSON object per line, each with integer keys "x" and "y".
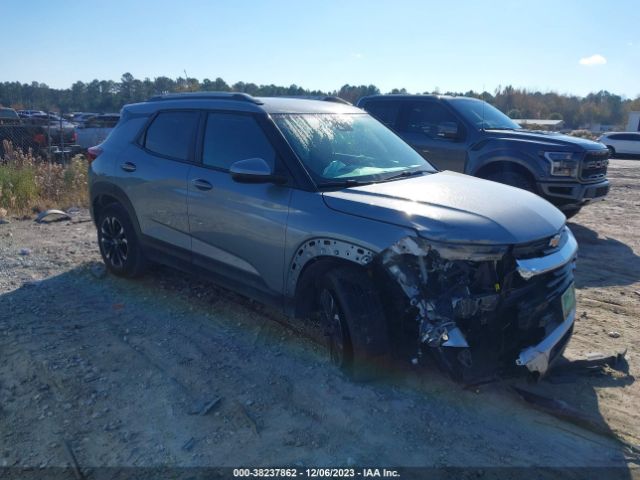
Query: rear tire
{"x": 118, "y": 242}
{"x": 514, "y": 179}
{"x": 354, "y": 322}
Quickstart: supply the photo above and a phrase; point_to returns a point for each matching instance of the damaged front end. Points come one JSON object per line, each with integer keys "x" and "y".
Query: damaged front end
{"x": 485, "y": 310}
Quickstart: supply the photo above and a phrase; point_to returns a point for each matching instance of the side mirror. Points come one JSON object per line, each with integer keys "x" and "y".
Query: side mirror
{"x": 254, "y": 170}
{"x": 448, "y": 130}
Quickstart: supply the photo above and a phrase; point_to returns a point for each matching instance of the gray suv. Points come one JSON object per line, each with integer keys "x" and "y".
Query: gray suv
{"x": 319, "y": 209}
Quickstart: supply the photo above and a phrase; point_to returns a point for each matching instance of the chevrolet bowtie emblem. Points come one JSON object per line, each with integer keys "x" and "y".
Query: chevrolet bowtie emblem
{"x": 555, "y": 241}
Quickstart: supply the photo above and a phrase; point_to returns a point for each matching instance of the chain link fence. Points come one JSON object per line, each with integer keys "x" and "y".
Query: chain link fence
{"x": 45, "y": 135}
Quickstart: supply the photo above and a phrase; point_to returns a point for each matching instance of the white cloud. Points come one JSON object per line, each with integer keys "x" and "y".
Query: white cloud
{"x": 357, "y": 55}
{"x": 593, "y": 60}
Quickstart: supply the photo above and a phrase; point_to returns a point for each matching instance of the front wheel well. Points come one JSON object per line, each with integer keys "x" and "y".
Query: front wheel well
{"x": 503, "y": 166}
{"x": 510, "y": 173}
{"x": 305, "y": 294}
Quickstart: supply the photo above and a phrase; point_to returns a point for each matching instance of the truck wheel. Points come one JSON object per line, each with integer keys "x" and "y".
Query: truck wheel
{"x": 514, "y": 179}
{"x": 354, "y": 322}
{"x": 571, "y": 212}
{"x": 118, "y": 242}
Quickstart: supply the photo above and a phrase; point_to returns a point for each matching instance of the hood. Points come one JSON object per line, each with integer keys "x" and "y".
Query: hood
{"x": 547, "y": 139}
{"x": 452, "y": 207}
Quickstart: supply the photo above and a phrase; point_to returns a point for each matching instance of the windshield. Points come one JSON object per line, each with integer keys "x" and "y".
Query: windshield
{"x": 340, "y": 147}
{"x": 483, "y": 115}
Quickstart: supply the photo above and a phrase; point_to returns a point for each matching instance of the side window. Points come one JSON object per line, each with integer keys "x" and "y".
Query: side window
{"x": 171, "y": 134}
{"x": 386, "y": 112}
{"x": 231, "y": 137}
{"x": 616, "y": 137}
{"x": 428, "y": 118}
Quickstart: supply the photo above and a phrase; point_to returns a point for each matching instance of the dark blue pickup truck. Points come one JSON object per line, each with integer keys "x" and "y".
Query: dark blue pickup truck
{"x": 470, "y": 136}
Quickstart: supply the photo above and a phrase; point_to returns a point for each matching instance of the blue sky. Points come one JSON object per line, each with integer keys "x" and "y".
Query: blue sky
{"x": 419, "y": 45}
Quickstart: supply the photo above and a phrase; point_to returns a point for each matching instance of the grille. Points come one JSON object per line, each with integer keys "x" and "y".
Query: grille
{"x": 594, "y": 166}
{"x": 539, "y": 248}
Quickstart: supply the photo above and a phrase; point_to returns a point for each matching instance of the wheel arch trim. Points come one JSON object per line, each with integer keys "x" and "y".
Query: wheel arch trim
{"x": 105, "y": 189}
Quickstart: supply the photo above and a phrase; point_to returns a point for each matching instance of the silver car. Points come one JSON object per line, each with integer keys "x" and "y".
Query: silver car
{"x": 316, "y": 207}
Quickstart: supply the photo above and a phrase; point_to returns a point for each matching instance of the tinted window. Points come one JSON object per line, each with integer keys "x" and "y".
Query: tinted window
{"x": 427, "y": 117}
{"x": 629, "y": 137}
{"x": 386, "y": 112}
{"x": 230, "y": 137}
{"x": 482, "y": 114}
{"x": 171, "y": 134}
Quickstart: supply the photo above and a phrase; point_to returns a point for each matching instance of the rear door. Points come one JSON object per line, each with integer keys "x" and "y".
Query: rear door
{"x": 154, "y": 176}
{"x": 422, "y": 124}
{"x": 631, "y": 143}
{"x": 238, "y": 229}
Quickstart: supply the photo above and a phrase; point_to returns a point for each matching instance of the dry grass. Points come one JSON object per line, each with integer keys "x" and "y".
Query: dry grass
{"x": 30, "y": 184}
{"x": 584, "y": 134}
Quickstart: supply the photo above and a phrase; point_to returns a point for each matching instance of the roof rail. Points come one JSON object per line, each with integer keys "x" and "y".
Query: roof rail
{"x": 242, "y": 97}
{"x": 322, "y": 98}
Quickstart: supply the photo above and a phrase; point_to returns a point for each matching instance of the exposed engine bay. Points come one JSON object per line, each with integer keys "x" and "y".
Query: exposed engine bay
{"x": 485, "y": 310}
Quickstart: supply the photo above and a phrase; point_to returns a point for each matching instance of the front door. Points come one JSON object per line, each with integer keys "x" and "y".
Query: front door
{"x": 237, "y": 229}
{"x": 425, "y": 125}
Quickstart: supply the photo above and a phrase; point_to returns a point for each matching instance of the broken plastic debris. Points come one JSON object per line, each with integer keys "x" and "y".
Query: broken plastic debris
{"x": 60, "y": 215}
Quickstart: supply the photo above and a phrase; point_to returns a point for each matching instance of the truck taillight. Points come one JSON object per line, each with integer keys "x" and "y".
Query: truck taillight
{"x": 75, "y": 136}
{"x": 93, "y": 153}
{"x": 40, "y": 139}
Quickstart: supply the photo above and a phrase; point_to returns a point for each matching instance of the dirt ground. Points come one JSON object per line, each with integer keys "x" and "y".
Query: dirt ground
{"x": 167, "y": 370}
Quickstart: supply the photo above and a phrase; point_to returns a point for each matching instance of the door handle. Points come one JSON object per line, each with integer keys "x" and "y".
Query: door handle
{"x": 128, "y": 166}
{"x": 201, "y": 184}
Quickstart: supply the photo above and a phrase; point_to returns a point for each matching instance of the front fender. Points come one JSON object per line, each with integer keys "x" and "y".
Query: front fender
{"x": 529, "y": 162}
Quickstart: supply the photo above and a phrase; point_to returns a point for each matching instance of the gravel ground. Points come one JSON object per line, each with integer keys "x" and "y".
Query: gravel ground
{"x": 167, "y": 370}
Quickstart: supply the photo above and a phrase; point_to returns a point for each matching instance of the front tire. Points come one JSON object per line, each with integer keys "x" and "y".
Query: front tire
{"x": 354, "y": 322}
{"x": 571, "y": 212}
{"x": 118, "y": 242}
{"x": 612, "y": 151}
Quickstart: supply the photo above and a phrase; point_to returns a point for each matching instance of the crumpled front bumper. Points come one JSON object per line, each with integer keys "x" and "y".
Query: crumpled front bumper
{"x": 538, "y": 358}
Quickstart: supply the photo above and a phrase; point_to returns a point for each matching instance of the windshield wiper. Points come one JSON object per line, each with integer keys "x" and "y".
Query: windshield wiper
{"x": 406, "y": 173}
{"x": 349, "y": 182}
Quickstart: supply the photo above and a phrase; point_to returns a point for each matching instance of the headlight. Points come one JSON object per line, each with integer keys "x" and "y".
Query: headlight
{"x": 563, "y": 164}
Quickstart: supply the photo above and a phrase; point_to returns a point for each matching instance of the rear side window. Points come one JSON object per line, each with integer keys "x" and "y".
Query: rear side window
{"x": 171, "y": 134}
{"x": 426, "y": 117}
{"x": 630, "y": 137}
{"x": 231, "y": 137}
{"x": 386, "y": 112}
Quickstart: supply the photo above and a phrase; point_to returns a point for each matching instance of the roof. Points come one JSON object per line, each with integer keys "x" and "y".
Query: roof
{"x": 245, "y": 102}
